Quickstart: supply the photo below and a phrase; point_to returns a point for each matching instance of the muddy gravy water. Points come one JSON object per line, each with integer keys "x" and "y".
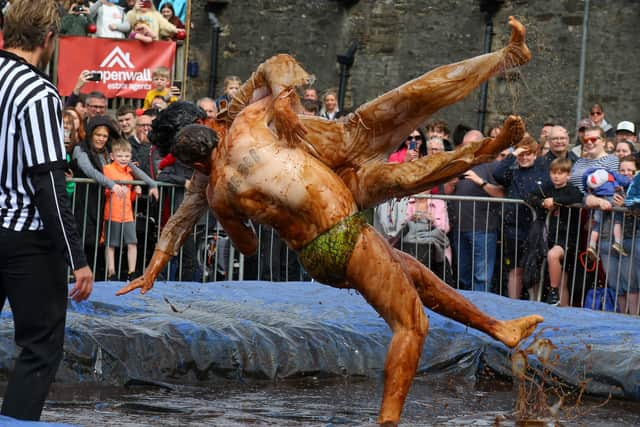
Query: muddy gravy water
{"x": 433, "y": 400}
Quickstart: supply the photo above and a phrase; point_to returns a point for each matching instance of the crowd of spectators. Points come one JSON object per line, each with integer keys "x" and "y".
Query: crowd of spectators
{"x": 555, "y": 179}
{"x": 143, "y": 20}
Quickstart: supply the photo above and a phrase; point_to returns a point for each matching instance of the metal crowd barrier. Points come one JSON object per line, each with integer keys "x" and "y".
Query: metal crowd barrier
{"x": 208, "y": 255}
{"x": 600, "y": 284}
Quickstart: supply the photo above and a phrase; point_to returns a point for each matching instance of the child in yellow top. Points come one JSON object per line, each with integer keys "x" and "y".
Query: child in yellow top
{"x": 160, "y": 79}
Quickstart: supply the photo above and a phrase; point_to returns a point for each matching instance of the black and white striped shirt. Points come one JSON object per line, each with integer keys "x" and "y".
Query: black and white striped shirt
{"x": 33, "y": 157}
{"x": 31, "y": 135}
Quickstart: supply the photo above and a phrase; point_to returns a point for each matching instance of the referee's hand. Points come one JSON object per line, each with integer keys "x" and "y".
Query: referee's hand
{"x": 83, "y": 285}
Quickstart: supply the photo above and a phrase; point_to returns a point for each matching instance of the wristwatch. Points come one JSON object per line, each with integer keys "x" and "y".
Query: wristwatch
{"x": 483, "y": 184}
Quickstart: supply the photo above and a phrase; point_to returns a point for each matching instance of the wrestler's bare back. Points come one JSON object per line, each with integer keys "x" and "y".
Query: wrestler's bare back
{"x": 256, "y": 176}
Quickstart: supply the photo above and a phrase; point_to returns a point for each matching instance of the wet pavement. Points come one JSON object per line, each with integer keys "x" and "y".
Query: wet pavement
{"x": 434, "y": 400}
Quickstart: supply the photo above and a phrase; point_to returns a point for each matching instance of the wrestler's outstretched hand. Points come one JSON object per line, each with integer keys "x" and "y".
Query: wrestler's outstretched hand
{"x": 141, "y": 282}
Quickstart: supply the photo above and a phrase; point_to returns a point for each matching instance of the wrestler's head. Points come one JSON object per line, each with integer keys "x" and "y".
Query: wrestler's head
{"x": 194, "y": 144}
{"x": 169, "y": 122}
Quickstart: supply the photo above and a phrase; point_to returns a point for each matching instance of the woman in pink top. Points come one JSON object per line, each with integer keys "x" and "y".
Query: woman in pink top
{"x": 411, "y": 148}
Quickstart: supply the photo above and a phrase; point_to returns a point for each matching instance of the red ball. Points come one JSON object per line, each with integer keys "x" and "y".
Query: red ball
{"x": 181, "y": 34}
{"x": 91, "y": 28}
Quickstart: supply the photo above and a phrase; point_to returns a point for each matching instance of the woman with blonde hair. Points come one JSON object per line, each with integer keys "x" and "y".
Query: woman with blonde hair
{"x": 329, "y": 105}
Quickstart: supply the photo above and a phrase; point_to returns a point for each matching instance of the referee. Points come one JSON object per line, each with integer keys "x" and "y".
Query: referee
{"x": 37, "y": 228}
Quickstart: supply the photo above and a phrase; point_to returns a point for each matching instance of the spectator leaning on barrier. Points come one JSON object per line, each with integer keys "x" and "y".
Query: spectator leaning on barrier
{"x": 593, "y": 156}
{"x": 37, "y": 229}
{"x": 555, "y": 197}
{"x": 90, "y": 157}
{"x": 474, "y": 224}
{"x": 520, "y": 175}
{"x": 623, "y": 273}
{"x": 118, "y": 210}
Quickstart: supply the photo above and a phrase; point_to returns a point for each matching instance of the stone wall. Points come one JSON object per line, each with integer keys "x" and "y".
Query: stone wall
{"x": 399, "y": 40}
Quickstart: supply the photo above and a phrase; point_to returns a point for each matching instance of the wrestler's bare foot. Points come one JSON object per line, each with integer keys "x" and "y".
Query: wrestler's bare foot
{"x": 517, "y": 52}
{"x": 511, "y": 133}
{"x": 511, "y": 332}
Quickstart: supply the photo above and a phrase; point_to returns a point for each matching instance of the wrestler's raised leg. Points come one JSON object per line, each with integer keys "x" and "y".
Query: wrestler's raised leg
{"x": 375, "y": 182}
{"x": 443, "y": 299}
{"x": 380, "y": 125}
{"x": 379, "y": 276}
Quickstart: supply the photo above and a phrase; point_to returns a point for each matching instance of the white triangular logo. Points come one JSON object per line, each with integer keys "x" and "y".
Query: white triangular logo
{"x": 117, "y": 57}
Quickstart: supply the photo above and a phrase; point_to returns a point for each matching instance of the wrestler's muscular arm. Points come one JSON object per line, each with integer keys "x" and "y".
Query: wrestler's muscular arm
{"x": 175, "y": 232}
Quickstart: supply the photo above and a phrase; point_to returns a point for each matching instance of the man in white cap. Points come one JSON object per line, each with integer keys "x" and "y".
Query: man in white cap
{"x": 626, "y": 131}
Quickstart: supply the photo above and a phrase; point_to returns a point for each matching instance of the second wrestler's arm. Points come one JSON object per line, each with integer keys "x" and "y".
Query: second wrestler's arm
{"x": 174, "y": 234}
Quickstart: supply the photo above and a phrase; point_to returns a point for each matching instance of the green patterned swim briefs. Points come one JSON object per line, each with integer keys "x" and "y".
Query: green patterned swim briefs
{"x": 325, "y": 258}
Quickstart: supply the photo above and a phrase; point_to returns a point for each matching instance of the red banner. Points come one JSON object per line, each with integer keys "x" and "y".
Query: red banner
{"x": 125, "y": 66}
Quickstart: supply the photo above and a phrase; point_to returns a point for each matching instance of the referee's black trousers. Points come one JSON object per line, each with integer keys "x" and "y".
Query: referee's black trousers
{"x": 33, "y": 279}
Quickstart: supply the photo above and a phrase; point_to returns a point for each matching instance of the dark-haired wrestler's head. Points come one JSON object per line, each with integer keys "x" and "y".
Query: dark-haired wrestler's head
{"x": 194, "y": 144}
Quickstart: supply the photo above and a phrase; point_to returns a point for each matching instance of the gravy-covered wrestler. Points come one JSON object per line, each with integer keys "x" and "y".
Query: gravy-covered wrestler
{"x": 263, "y": 171}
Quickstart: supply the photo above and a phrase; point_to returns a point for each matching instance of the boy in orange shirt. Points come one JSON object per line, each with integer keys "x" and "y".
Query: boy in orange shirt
{"x": 160, "y": 79}
{"x": 120, "y": 224}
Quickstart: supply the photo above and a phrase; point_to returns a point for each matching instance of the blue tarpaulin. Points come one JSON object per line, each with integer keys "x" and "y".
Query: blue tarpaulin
{"x": 194, "y": 333}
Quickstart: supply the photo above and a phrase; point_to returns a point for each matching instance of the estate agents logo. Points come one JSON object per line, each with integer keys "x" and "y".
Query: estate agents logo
{"x": 117, "y": 57}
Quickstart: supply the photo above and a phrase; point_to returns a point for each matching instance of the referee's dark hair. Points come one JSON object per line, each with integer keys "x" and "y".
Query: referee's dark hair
{"x": 27, "y": 23}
